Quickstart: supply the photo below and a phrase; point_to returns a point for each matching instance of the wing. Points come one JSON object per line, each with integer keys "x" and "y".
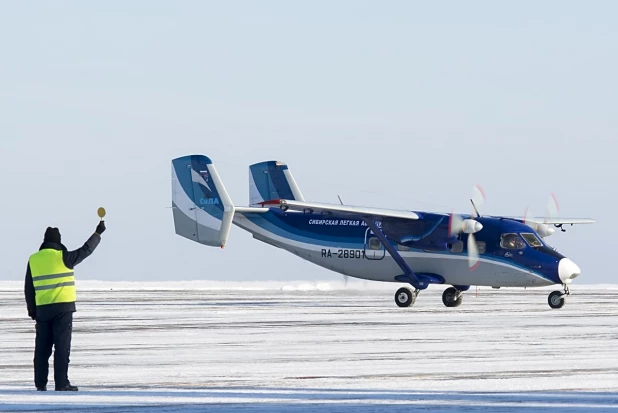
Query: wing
{"x": 347, "y": 210}
{"x": 555, "y": 221}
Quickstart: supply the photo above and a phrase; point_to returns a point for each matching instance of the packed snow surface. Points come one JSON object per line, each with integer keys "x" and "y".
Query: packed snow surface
{"x": 319, "y": 346}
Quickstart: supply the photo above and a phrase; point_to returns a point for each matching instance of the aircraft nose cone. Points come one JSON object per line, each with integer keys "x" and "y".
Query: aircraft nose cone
{"x": 567, "y": 270}
{"x": 477, "y": 226}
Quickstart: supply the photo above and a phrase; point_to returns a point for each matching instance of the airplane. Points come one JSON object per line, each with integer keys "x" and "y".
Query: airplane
{"x": 415, "y": 248}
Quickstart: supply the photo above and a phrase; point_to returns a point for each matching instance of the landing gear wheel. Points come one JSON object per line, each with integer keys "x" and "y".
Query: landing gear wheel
{"x": 556, "y": 299}
{"x": 404, "y": 297}
{"x": 451, "y": 297}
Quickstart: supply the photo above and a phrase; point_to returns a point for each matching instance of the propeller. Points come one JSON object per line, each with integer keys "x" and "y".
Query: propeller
{"x": 551, "y": 211}
{"x": 457, "y": 225}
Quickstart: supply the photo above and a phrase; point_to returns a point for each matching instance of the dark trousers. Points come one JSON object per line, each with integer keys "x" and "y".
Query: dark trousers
{"x": 53, "y": 332}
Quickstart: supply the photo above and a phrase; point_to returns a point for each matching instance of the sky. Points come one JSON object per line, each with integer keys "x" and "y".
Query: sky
{"x": 394, "y": 104}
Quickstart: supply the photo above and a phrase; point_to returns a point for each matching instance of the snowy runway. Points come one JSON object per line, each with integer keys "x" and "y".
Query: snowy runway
{"x": 287, "y": 347}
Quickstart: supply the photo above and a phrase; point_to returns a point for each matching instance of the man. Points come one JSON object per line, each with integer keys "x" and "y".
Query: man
{"x": 50, "y": 297}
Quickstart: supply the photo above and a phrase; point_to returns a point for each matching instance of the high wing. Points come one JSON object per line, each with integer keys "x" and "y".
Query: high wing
{"x": 347, "y": 210}
{"x": 554, "y": 221}
{"x": 376, "y": 213}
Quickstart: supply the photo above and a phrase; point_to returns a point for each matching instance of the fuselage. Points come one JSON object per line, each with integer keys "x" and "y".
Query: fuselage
{"x": 349, "y": 247}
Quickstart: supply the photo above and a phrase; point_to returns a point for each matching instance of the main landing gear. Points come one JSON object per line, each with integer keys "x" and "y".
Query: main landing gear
{"x": 405, "y": 297}
{"x": 557, "y": 298}
{"x": 452, "y": 297}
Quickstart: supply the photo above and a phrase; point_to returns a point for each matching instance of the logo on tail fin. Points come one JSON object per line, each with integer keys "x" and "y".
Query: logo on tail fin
{"x": 209, "y": 196}
{"x": 201, "y": 179}
{"x": 209, "y": 201}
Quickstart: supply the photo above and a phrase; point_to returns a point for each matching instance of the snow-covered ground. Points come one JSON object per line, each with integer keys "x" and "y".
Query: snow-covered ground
{"x": 306, "y": 347}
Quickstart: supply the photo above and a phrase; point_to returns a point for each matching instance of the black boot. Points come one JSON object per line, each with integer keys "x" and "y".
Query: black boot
{"x": 41, "y": 388}
{"x": 68, "y": 387}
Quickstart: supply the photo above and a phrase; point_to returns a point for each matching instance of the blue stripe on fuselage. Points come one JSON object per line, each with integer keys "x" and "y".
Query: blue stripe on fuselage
{"x": 312, "y": 228}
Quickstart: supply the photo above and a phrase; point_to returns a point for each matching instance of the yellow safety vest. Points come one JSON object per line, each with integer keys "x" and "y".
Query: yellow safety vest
{"x": 53, "y": 281}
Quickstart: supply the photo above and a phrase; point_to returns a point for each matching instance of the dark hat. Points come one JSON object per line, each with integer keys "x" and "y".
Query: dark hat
{"x": 52, "y": 235}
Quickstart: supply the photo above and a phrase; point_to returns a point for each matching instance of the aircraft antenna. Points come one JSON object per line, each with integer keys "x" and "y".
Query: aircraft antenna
{"x": 340, "y": 201}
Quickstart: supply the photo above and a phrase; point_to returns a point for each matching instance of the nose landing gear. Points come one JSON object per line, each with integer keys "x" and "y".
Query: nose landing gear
{"x": 557, "y": 298}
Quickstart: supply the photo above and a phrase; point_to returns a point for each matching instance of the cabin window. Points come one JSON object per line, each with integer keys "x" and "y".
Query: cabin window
{"x": 481, "y": 246}
{"x": 457, "y": 247}
{"x": 532, "y": 240}
{"x": 374, "y": 244}
{"x": 512, "y": 242}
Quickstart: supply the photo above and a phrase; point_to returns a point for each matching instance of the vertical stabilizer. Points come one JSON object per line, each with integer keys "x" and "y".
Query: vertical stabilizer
{"x": 271, "y": 181}
{"x": 203, "y": 210}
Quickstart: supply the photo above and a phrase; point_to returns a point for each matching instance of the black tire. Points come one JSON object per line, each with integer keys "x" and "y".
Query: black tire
{"x": 448, "y": 297}
{"x": 404, "y": 297}
{"x": 555, "y": 299}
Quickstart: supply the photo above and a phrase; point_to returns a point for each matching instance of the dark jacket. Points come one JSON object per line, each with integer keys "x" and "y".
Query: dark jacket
{"x": 71, "y": 259}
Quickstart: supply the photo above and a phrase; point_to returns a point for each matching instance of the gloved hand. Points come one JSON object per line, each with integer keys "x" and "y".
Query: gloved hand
{"x": 101, "y": 228}
{"x": 32, "y": 314}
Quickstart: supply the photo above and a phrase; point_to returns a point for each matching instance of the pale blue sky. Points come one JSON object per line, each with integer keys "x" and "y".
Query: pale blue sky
{"x": 396, "y": 104}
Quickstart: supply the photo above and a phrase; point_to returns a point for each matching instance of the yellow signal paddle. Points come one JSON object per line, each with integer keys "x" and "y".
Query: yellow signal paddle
{"x": 101, "y": 213}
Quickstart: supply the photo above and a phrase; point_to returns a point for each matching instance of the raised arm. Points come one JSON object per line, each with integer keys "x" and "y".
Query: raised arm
{"x": 73, "y": 258}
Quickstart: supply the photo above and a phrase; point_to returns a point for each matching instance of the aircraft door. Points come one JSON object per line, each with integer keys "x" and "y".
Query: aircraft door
{"x": 374, "y": 250}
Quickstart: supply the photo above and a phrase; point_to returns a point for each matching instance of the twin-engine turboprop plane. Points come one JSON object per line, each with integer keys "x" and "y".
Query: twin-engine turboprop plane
{"x": 412, "y": 247}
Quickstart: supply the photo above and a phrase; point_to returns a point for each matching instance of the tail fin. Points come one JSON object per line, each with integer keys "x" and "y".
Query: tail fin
{"x": 203, "y": 210}
{"x": 271, "y": 180}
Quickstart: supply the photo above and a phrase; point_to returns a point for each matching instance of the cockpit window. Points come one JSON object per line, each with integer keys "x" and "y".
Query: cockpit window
{"x": 532, "y": 240}
{"x": 512, "y": 242}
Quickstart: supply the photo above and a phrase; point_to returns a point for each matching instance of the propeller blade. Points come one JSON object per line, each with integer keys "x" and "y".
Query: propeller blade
{"x": 455, "y": 223}
{"x": 478, "y": 199}
{"x": 551, "y": 211}
{"x": 473, "y": 253}
{"x": 552, "y": 207}
{"x": 531, "y": 224}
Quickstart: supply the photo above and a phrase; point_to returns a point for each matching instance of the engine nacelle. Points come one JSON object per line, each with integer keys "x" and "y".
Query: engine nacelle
{"x": 470, "y": 226}
{"x": 544, "y": 230}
